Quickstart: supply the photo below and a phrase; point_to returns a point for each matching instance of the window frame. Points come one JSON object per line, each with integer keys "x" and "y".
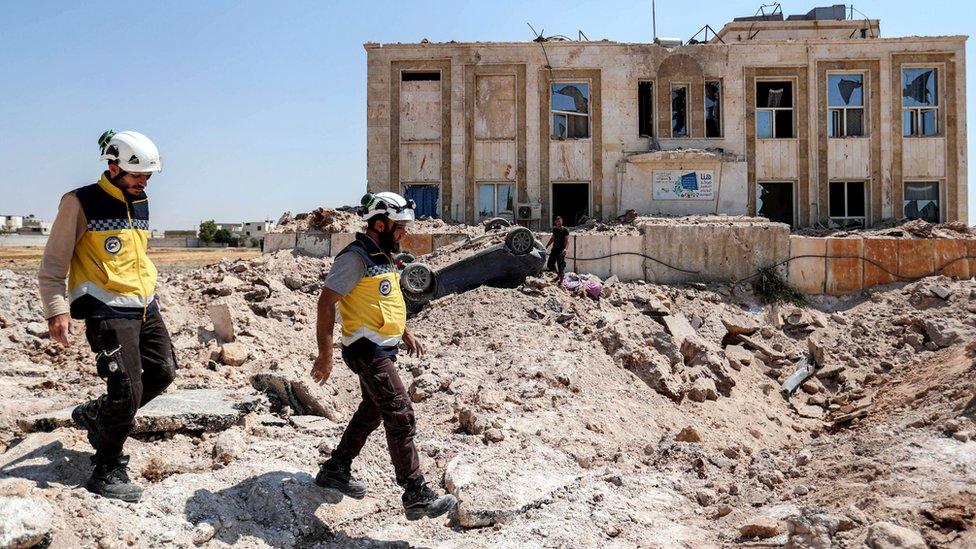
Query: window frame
{"x": 652, "y": 104}
{"x": 721, "y": 107}
{"x": 772, "y": 110}
{"x": 939, "y": 189}
{"x": 553, "y": 111}
{"x": 496, "y": 212}
{"x": 915, "y": 112}
{"x": 864, "y": 219}
{"x": 865, "y": 122}
{"x": 687, "y": 88}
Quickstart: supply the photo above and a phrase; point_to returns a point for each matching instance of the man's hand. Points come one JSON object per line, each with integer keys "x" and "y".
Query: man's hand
{"x": 414, "y": 347}
{"x": 322, "y": 368}
{"x": 563, "y": 253}
{"x": 60, "y": 328}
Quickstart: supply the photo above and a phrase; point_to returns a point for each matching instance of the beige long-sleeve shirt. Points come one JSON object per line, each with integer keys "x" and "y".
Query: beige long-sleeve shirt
{"x": 52, "y": 278}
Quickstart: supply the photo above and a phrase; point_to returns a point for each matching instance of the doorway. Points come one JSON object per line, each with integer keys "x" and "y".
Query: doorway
{"x": 775, "y": 202}
{"x": 426, "y": 198}
{"x": 571, "y": 201}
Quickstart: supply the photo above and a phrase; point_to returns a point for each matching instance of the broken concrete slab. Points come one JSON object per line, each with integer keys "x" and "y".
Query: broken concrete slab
{"x": 761, "y": 347}
{"x": 314, "y": 424}
{"x": 175, "y": 411}
{"x": 679, "y": 327}
{"x": 494, "y": 486}
{"x": 303, "y": 397}
{"x": 739, "y": 323}
{"x": 24, "y": 522}
{"x": 222, "y": 321}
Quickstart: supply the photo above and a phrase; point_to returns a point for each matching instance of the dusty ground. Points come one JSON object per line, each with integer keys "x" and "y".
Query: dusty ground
{"x": 26, "y": 259}
{"x": 636, "y": 420}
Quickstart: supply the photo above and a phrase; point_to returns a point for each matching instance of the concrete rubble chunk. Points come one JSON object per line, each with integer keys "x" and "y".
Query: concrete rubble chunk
{"x": 174, "y": 411}
{"x": 761, "y": 527}
{"x": 940, "y": 291}
{"x": 942, "y": 332}
{"x": 24, "y": 523}
{"x": 737, "y": 354}
{"x": 688, "y": 434}
{"x": 885, "y": 535}
{"x": 222, "y": 321}
{"x": 740, "y": 323}
{"x": 703, "y": 389}
{"x": 304, "y": 398}
{"x": 813, "y": 528}
{"x": 679, "y": 327}
{"x": 38, "y": 329}
{"x": 493, "y": 488}
{"x": 761, "y": 347}
{"x": 234, "y": 354}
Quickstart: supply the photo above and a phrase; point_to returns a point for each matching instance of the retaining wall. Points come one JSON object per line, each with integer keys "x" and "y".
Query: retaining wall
{"x": 840, "y": 266}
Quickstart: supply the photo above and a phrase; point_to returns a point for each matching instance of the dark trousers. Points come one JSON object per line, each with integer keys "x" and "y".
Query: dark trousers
{"x": 557, "y": 261}
{"x": 146, "y": 366}
{"x": 385, "y": 400}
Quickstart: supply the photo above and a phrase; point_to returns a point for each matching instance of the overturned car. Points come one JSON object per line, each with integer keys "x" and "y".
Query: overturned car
{"x": 504, "y": 265}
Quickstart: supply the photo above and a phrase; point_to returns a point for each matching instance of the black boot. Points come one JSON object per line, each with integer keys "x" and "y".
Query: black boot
{"x": 338, "y": 476}
{"x": 86, "y": 417}
{"x": 111, "y": 480}
{"x": 420, "y": 501}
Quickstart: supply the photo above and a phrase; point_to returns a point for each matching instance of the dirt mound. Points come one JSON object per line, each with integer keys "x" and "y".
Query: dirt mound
{"x": 651, "y": 416}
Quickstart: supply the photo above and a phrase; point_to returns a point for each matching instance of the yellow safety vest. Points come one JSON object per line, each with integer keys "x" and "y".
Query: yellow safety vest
{"x": 374, "y": 309}
{"x": 111, "y": 275}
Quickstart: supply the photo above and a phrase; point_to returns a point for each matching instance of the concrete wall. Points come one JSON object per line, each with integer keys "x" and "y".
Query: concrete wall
{"x": 16, "y": 240}
{"x": 480, "y": 82}
{"x": 840, "y": 266}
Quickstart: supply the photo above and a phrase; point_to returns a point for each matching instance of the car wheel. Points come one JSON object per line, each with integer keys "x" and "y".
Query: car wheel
{"x": 417, "y": 278}
{"x": 520, "y": 241}
{"x": 497, "y": 223}
{"x": 403, "y": 258}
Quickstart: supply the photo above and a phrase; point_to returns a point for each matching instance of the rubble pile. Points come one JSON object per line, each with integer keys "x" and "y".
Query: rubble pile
{"x": 645, "y": 415}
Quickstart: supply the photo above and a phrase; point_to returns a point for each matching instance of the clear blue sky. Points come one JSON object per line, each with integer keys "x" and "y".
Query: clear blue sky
{"x": 259, "y": 107}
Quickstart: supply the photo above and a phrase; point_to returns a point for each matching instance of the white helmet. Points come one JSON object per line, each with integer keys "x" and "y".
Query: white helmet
{"x": 389, "y": 204}
{"x": 133, "y": 151}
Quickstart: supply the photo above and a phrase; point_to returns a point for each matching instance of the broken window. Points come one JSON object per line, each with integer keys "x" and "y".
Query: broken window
{"x": 570, "y": 110}
{"x": 847, "y": 204}
{"x": 679, "y": 111}
{"x": 713, "y": 108}
{"x": 495, "y": 199}
{"x": 645, "y": 109}
{"x": 775, "y": 201}
{"x": 429, "y": 76}
{"x": 845, "y": 98}
{"x": 922, "y": 200}
{"x": 920, "y": 102}
{"x": 774, "y": 110}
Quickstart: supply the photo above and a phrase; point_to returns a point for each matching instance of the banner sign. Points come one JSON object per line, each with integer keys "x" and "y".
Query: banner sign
{"x": 682, "y": 185}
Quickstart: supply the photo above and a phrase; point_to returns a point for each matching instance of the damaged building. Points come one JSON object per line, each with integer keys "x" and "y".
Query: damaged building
{"x": 809, "y": 120}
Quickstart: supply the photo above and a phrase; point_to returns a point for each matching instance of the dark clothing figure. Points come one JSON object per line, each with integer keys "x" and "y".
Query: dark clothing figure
{"x": 385, "y": 401}
{"x": 557, "y": 258}
{"x": 139, "y": 370}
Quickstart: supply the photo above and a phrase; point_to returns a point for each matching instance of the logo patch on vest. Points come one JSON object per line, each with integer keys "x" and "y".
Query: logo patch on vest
{"x": 113, "y": 245}
{"x": 385, "y": 287}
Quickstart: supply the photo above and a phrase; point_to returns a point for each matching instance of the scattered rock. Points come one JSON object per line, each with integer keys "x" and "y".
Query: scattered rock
{"x": 940, "y": 291}
{"x": 494, "y": 435}
{"x": 24, "y": 522}
{"x": 38, "y": 329}
{"x": 885, "y": 535}
{"x": 222, "y": 321}
{"x": 234, "y": 354}
{"x": 813, "y": 528}
{"x": 703, "y": 389}
{"x": 228, "y": 446}
{"x": 761, "y": 527}
{"x": 470, "y": 422}
{"x": 203, "y": 532}
{"x": 688, "y": 434}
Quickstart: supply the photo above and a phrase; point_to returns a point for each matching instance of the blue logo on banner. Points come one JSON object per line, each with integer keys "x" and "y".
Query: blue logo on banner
{"x": 689, "y": 181}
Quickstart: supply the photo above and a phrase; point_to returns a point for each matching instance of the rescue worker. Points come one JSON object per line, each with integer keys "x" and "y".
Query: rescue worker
{"x": 365, "y": 285}
{"x": 97, "y": 252}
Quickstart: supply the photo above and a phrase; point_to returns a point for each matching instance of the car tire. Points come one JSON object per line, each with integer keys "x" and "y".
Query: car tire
{"x": 520, "y": 241}
{"x": 417, "y": 279}
{"x": 497, "y": 223}
{"x": 404, "y": 257}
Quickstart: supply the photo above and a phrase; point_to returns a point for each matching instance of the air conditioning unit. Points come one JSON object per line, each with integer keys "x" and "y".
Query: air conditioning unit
{"x": 527, "y": 212}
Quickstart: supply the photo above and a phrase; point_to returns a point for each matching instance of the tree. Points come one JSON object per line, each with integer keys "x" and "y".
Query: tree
{"x": 208, "y": 231}
{"x": 224, "y": 237}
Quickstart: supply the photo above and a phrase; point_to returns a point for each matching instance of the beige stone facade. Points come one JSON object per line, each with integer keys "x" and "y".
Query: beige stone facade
{"x": 468, "y": 128}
